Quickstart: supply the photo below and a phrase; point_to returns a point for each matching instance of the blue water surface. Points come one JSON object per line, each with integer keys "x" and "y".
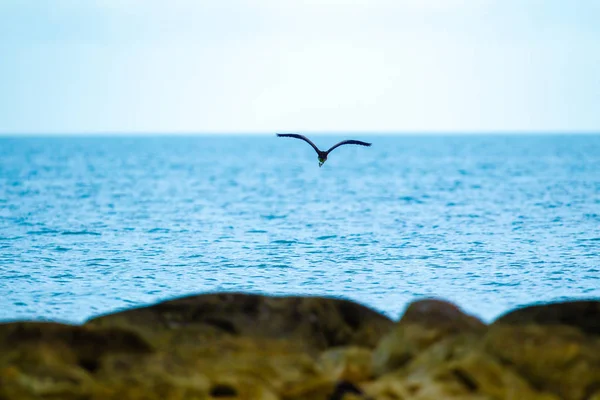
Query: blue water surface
{"x": 89, "y": 225}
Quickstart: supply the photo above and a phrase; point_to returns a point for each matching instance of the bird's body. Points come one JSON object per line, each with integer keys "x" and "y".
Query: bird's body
{"x": 322, "y": 154}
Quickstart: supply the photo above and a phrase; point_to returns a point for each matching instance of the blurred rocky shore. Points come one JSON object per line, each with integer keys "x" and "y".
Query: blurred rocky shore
{"x": 240, "y": 346}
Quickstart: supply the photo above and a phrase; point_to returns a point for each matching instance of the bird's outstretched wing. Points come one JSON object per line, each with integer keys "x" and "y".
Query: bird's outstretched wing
{"x": 348, "y": 142}
{"x": 295, "y": 135}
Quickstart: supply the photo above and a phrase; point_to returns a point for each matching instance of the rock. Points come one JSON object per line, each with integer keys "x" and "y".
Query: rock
{"x": 49, "y": 359}
{"x": 346, "y": 391}
{"x": 317, "y": 323}
{"x": 424, "y": 323}
{"x": 595, "y": 396}
{"x": 436, "y": 313}
{"x": 436, "y": 352}
{"x": 583, "y": 315}
{"x": 348, "y": 364}
{"x": 454, "y": 368}
{"x": 556, "y": 346}
{"x": 464, "y": 361}
{"x": 233, "y": 346}
{"x": 86, "y": 343}
{"x": 210, "y": 346}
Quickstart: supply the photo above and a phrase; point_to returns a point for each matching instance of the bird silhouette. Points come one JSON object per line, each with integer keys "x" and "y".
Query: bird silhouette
{"x": 322, "y": 154}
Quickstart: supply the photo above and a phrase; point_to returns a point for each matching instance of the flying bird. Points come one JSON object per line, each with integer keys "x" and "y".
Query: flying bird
{"x": 322, "y": 154}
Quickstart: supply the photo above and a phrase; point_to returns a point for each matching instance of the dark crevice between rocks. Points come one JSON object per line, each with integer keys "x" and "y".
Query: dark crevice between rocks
{"x": 350, "y": 315}
{"x": 330, "y": 336}
{"x": 222, "y": 324}
{"x": 343, "y": 388}
{"x": 251, "y": 305}
{"x": 535, "y": 385}
{"x": 89, "y": 365}
{"x": 413, "y": 389}
{"x": 591, "y": 390}
{"x": 465, "y": 379}
{"x": 399, "y": 361}
{"x": 503, "y": 360}
{"x": 223, "y": 390}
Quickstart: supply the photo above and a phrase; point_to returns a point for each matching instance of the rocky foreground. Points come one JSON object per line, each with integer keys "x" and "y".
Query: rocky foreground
{"x": 237, "y": 346}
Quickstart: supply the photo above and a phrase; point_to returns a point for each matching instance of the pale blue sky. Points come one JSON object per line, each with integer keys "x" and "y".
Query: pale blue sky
{"x": 312, "y": 65}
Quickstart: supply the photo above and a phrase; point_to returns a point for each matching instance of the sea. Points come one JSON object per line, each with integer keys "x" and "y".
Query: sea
{"x": 95, "y": 224}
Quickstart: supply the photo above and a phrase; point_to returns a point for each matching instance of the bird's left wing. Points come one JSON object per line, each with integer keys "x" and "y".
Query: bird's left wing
{"x": 301, "y": 137}
{"x": 348, "y": 142}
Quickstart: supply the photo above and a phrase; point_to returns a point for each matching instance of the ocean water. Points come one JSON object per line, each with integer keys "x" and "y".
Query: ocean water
{"x": 92, "y": 225}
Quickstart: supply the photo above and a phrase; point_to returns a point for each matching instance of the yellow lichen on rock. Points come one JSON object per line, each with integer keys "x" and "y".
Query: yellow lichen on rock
{"x": 455, "y": 368}
{"x": 247, "y": 347}
{"x": 424, "y": 323}
{"x": 351, "y": 364}
{"x": 555, "y": 346}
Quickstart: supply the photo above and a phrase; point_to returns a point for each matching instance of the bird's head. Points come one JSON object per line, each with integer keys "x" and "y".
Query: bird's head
{"x": 322, "y": 161}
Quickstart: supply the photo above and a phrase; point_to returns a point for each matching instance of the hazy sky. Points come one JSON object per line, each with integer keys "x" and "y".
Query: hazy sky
{"x": 292, "y": 65}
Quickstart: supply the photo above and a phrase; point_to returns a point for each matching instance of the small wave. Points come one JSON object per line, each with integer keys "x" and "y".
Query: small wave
{"x": 272, "y": 216}
{"x": 42, "y": 232}
{"x": 264, "y": 265}
{"x": 5, "y": 238}
{"x": 284, "y": 242}
{"x": 159, "y": 230}
{"x": 410, "y": 200}
{"x": 326, "y": 237}
{"x": 63, "y": 276}
{"x": 74, "y": 233}
{"x": 14, "y": 277}
{"x": 97, "y": 262}
{"x": 256, "y": 231}
{"x": 192, "y": 256}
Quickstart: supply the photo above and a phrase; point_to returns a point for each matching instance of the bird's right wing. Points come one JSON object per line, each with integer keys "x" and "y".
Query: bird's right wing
{"x": 295, "y": 135}
{"x": 348, "y": 142}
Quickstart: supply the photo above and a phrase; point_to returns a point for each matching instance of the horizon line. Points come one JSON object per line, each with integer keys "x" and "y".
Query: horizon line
{"x": 306, "y": 132}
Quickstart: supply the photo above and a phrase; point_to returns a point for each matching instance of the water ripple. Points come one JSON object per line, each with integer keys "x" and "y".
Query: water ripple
{"x": 76, "y": 233}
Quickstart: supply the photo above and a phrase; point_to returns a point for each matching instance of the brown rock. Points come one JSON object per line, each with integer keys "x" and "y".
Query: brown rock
{"x": 348, "y": 364}
{"x": 317, "y": 323}
{"x": 583, "y": 315}
{"x": 49, "y": 359}
{"x": 440, "y": 313}
{"x": 595, "y": 396}
{"x": 424, "y": 323}
{"x": 556, "y": 358}
{"x": 454, "y": 368}
{"x": 86, "y": 343}
{"x": 210, "y": 346}
{"x": 232, "y": 346}
{"x": 556, "y": 346}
